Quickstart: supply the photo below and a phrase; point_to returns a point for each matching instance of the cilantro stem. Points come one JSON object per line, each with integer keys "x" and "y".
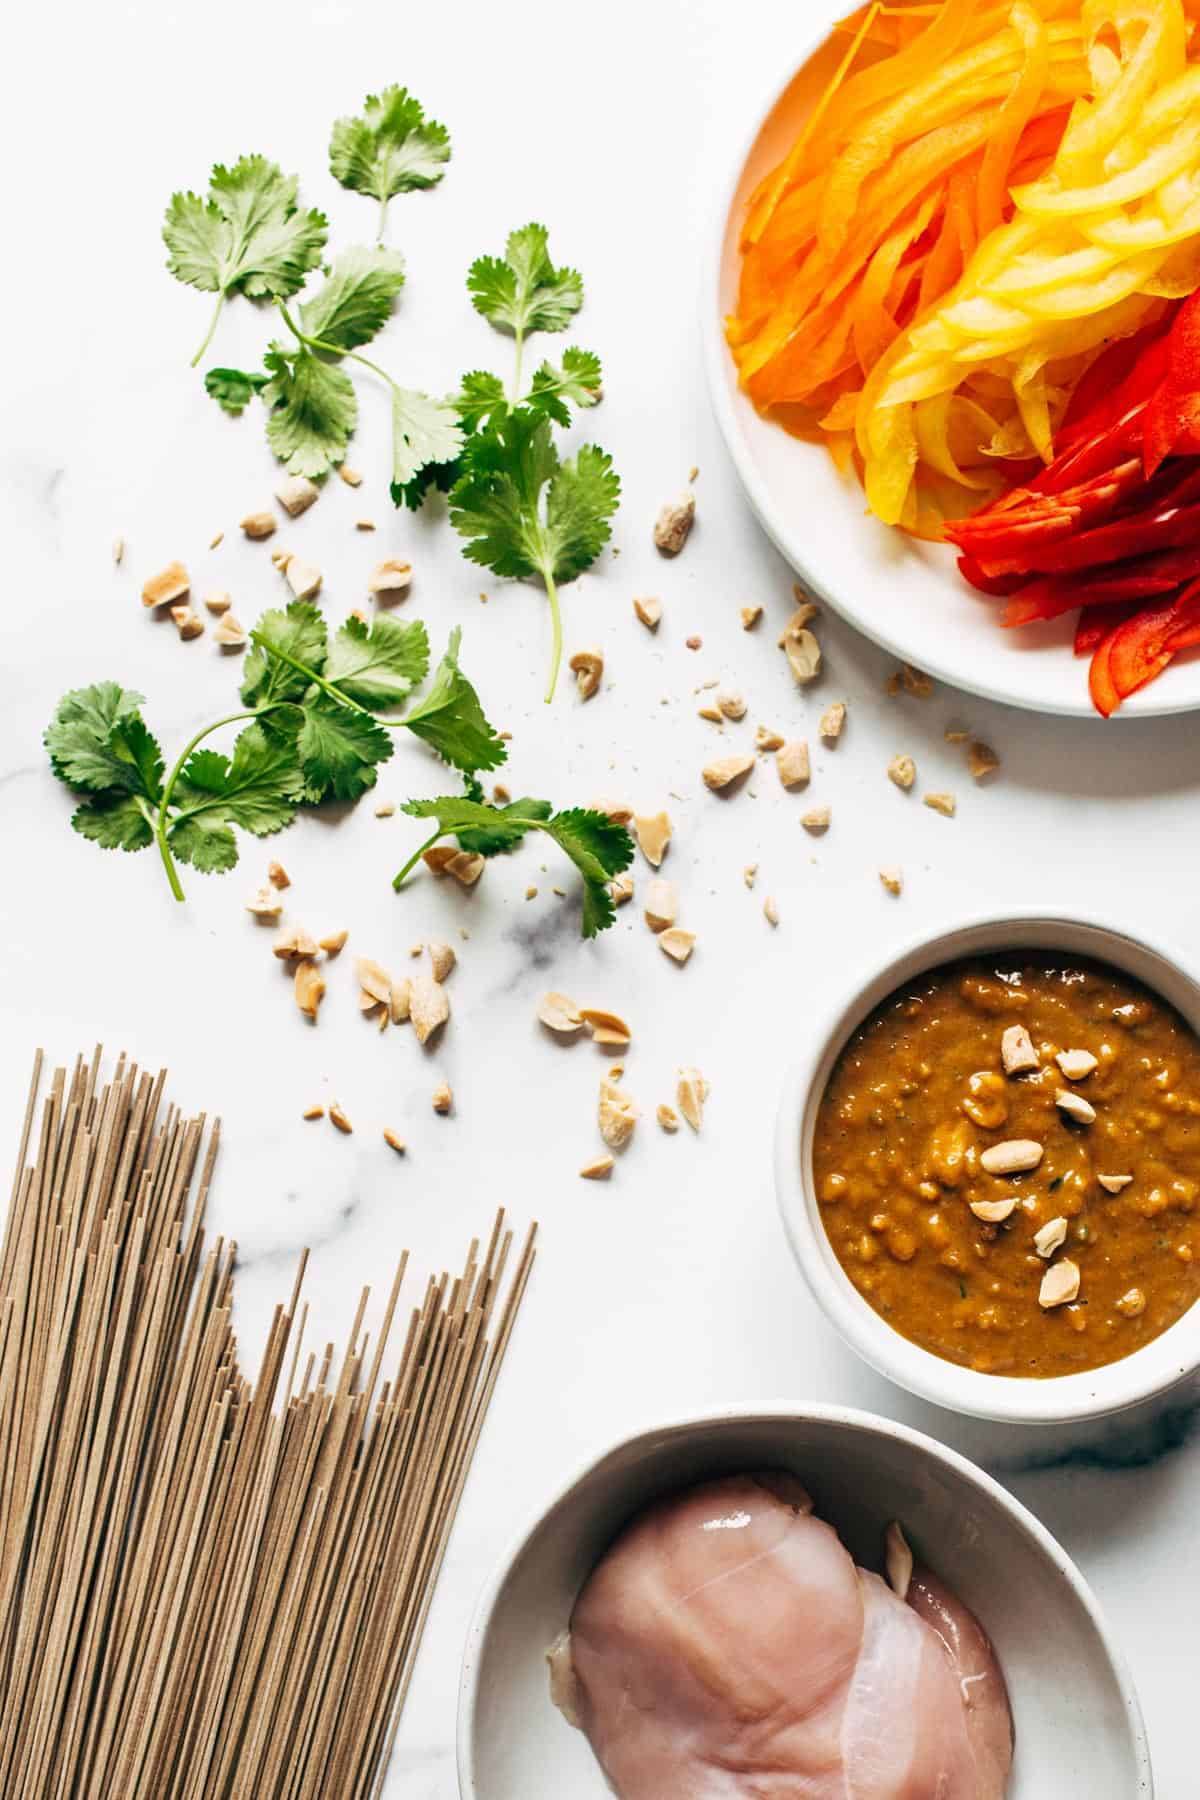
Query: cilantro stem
{"x": 383, "y": 206}
{"x": 399, "y": 880}
{"x": 556, "y": 626}
{"x": 208, "y": 338}
{"x": 514, "y": 396}
{"x": 313, "y": 343}
{"x": 163, "y": 823}
{"x": 327, "y": 687}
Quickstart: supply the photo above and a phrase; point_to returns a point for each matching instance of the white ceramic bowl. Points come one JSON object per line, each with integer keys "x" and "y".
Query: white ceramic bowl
{"x": 1079, "y": 1727}
{"x": 906, "y": 595}
{"x": 1148, "y": 1371}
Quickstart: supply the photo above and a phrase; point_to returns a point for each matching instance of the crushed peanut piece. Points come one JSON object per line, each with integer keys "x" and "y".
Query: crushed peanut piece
{"x": 994, "y": 1212}
{"x": 662, "y": 903}
{"x": 817, "y": 820}
{"x": 941, "y": 803}
{"x": 429, "y": 1007}
{"x": 711, "y": 712}
{"x": 648, "y": 610}
{"x": 599, "y": 1169}
{"x": 350, "y": 476}
{"x": 401, "y": 1004}
{"x": 443, "y": 1098}
{"x": 309, "y": 987}
{"x": 802, "y": 651}
{"x": 374, "y": 980}
{"x": 390, "y": 578}
{"x": 902, "y": 770}
{"x": 653, "y": 833}
{"x": 464, "y": 865}
{"x": 619, "y": 811}
{"x": 833, "y": 721}
{"x": 981, "y": 760}
{"x": 677, "y": 943}
{"x": 1076, "y": 1065}
{"x": 218, "y": 601}
{"x": 264, "y": 903}
{"x": 386, "y": 809}
{"x": 1050, "y": 1237}
{"x": 1060, "y": 1284}
{"x": 313, "y": 1112}
{"x": 674, "y": 523}
{"x": 915, "y": 682}
{"x": 792, "y": 762}
{"x": 294, "y": 944}
{"x": 364, "y": 524}
{"x": 691, "y": 1091}
{"x": 280, "y": 559}
{"x": 749, "y": 874}
{"x": 531, "y": 893}
{"x": 1075, "y": 1106}
{"x": 726, "y": 772}
{"x": 620, "y": 887}
{"x": 1114, "y": 1184}
{"x": 258, "y": 525}
{"x": 188, "y": 623}
{"x": 616, "y": 1115}
{"x": 118, "y": 550}
{"x": 500, "y": 794}
{"x": 278, "y": 876}
{"x": 337, "y": 1117}
{"x": 393, "y": 1140}
{"x": 750, "y": 617}
{"x": 333, "y": 942}
{"x": 170, "y": 584}
{"x": 588, "y": 667}
{"x": 558, "y": 1013}
{"x": 1017, "y": 1051}
{"x": 667, "y": 1117}
{"x": 229, "y": 633}
{"x": 956, "y": 732}
{"x": 731, "y": 706}
{"x": 1015, "y": 1156}
{"x": 893, "y": 880}
{"x": 771, "y": 910}
{"x": 607, "y": 1028}
{"x": 1132, "y": 1303}
{"x": 296, "y": 493}
{"x": 442, "y": 958}
{"x": 767, "y": 739}
{"x": 806, "y": 611}
{"x": 304, "y": 578}
{"x": 692, "y": 643}
{"x": 217, "y": 538}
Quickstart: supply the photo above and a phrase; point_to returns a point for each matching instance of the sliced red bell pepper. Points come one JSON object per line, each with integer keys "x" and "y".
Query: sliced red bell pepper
{"x": 1105, "y": 697}
{"x": 1125, "y": 374}
{"x": 1172, "y": 424}
{"x": 1139, "y": 579}
{"x": 1098, "y": 622}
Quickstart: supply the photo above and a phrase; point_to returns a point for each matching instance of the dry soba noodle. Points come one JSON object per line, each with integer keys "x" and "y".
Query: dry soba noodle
{"x": 208, "y": 1587}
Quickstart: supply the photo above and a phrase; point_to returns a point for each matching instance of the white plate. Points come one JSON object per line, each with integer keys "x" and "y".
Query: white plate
{"x": 906, "y": 595}
{"x": 1079, "y": 1728}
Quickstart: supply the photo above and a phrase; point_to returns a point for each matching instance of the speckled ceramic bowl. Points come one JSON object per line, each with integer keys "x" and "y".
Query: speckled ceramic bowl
{"x": 1078, "y": 1724}
{"x": 1149, "y": 1371}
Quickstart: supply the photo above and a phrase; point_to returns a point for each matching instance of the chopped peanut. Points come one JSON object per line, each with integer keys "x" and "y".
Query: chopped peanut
{"x": 750, "y": 617}
{"x": 443, "y": 1098}
{"x": 690, "y": 1094}
{"x": 588, "y": 669}
{"x": 309, "y": 986}
{"x": 903, "y": 771}
{"x": 674, "y": 524}
{"x": 677, "y": 943}
{"x": 599, "y": 1169}
{"x": 258, "y": 525}
{"x": 338, "y": 1117}
{"x": 296, "y": 493}
{"x": 390, "y": 578}
{"x": 792, "y": 762}
{"x": 393, "y": 1140}
{"x": 170, "y": 584}
{"x": 941, "y": 803}
{"x": 817, "y": 820}
{"x": 188, "y": 623}
{"x": 218, "y": 601}
{"x": 653, "y": 833}
{"x": 304, "y": 578}
{"x": 727, "y": 772}
{"x": 662, "y": 904}
{"x": 771, "y": 910}
{"x": 833, "y": 721}
{"x": 648, "y": 610}
{"x": 982, "y": 760}
{"x": 278, "y": 876}
{"x": 767, "y": 739}
{"x": 893, "y": 880}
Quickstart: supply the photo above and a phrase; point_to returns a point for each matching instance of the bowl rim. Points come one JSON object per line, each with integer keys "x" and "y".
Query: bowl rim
{"x": 1025, "y": 1400}
{"x": 1153, "y": 702}
{"x": 783, "y": 1412}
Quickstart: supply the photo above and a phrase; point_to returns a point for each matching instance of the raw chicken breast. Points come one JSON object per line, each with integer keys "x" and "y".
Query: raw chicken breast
{"x": 727, "y": 1648}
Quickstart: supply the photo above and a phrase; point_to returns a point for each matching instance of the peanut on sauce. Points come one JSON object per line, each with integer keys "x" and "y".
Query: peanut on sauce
{"x": 920, "y": 1092}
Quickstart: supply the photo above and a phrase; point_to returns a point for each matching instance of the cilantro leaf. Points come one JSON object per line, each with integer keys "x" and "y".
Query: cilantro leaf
{"x": 204, "y": 841}
{"x": 378, "y": 664}
{"x": 314, "y": 410}
{"x": 356, "y": 300}
{"x": 338, "y": 747}
{"x": 597, "y": 846}
{"x": 299, "y": 632}
{"x": 233, "y": 389}
{"x": 247, "y": 237}
{"x": 259, "y": 788}
{"x": 98, "y": 742}
{"x": 440, "y": 476}
{"x": 524, "y": 292}
{"x": 115, "y": 822}
{"x": 525, "y": 513}
{"x": 390, "y": 148}
{"x": 425, "y": 434}
{"x": 451, "y": 720}
{"x": 480, "y": 397}
{"x": 578, "y": 379}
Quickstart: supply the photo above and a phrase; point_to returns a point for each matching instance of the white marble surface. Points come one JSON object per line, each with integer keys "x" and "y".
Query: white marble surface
{"x": 670, "y": 1288}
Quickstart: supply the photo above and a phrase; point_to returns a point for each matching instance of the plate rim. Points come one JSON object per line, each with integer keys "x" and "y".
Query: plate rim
{"x": 1140, "y": 706}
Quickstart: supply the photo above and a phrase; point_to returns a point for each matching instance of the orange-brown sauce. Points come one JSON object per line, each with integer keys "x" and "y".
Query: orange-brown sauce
{"x": 918, "y": 1095}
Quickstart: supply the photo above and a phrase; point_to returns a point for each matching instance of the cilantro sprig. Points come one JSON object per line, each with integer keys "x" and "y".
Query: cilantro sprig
{"x": 526, "y": 511}
{"x": 315, "y": 726}
{"x": 598, "y": 847}
{"x": 389, "y": 148}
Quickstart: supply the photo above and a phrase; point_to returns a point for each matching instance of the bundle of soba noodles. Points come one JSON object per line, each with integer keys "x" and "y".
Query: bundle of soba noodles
{"x": 209, "y": 1587}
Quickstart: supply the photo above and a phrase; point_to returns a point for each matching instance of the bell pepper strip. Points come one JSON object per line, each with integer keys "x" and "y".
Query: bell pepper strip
{"x": 1131, "y": 583}
{"x": 1098, "y": 622}
{"x": 1141, "y": 648}
{"x": 1172, "y": 423}
{"x": 1101, "y": 687}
